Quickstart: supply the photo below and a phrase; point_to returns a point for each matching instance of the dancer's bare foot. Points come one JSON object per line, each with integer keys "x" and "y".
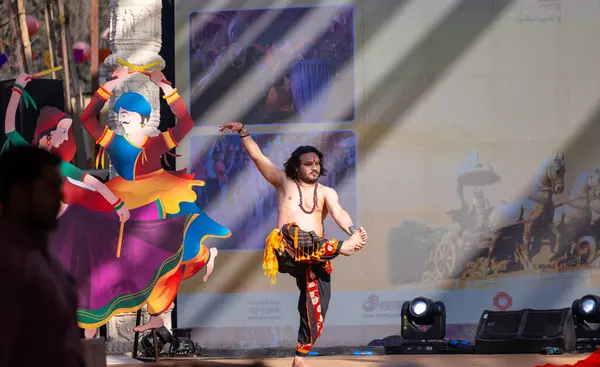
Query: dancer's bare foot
{"x": 154, "y": 323}
{"x": 90, "y": 333}
{"x": 211, "y": 263}
{"x": 363, "y": 238}
{"x": 349, "y": 245}
{"x": 299, "y": 362}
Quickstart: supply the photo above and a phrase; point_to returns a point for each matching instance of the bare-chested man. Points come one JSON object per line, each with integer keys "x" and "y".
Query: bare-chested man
{"x": 297, "y": 246}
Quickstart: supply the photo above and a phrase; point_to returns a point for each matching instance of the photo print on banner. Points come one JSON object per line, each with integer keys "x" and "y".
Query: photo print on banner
{"x": 273, "y": 66}
{"x": 237, "y": 194}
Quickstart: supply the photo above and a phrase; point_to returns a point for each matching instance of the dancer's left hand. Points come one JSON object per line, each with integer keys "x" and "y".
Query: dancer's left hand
{"x": 23, "y": 79}
{"x": 157, "y": 78}
{"x": 124, "y": 214}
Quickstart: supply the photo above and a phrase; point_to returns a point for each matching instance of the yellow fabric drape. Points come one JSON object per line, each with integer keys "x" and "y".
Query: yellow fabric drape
{"x": 274, "y": 243}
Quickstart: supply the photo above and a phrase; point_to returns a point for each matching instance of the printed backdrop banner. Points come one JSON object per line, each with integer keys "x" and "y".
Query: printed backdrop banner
{"x": 461, "y": 134}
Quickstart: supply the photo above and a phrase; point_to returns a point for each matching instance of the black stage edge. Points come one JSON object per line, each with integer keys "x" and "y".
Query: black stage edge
{"x": 406, "y": 347}
{"x": 197, "y": 362}
{"x": 288, "y": 352}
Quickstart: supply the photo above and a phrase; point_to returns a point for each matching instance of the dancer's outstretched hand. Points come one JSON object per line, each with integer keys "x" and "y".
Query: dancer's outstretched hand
{"x": 233, "y": 127}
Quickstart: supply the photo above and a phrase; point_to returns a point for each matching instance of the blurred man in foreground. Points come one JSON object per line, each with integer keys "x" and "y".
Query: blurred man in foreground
{"x": 30, "y": 196}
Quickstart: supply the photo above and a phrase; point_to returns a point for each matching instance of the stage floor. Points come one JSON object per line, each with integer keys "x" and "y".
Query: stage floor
{"x": 500, "y": 360}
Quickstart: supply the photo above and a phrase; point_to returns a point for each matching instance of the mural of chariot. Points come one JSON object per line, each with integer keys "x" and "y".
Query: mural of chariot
{"x": 538, "y": 233}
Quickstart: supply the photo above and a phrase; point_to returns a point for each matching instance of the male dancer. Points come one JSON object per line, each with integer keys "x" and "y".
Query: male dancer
{"x": 297, "y": 245}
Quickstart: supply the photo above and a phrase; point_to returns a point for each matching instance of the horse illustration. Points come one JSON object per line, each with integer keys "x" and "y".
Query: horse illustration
{"x": 574, "y": 217}
{"x": 511, "y": 222}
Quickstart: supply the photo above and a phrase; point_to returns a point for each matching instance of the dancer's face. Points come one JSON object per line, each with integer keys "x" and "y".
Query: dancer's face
{"x": 310, "y": 168}
{"x": 133, "y": 123}
{"x": 61, "y": 133}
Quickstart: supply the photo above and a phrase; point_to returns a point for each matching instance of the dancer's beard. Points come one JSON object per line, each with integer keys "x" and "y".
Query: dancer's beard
{"x": 310, "y": 179}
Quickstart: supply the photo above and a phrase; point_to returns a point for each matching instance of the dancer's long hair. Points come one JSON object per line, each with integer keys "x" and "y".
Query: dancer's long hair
{"x": 292, "y": 165}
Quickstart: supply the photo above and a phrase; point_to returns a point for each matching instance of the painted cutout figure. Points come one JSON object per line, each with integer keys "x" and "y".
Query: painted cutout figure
{"x": 142, "y": 180}
{"x": 86, "y": 240}
{"x": 53, "y": 133}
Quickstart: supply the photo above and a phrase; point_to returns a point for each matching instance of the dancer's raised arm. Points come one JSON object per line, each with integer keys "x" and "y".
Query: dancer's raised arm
{"x": 89, "y": 116}
{"x": 270, "y": 172}
{"x": 174, "y": 135}
{"x": 11, "y": 110}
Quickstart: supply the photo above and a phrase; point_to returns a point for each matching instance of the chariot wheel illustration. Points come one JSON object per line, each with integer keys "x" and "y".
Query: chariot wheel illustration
{"x": 445, "y": 258}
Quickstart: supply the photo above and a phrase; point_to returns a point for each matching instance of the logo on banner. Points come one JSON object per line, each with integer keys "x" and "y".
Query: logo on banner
{"x": 264, "y": 309}
{"x": 502, "y": 301}
{"x": 377, "y": 307}
{"x": 371, "y": 304}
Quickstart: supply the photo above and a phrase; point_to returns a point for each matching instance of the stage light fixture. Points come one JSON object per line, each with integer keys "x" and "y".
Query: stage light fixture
{"x": 182, "y": 344}
{"x": 163, "y": 337}
{"x": 423, "y": 319}
{"x": 586, "y": 316}
{"x": 587, "y": 308}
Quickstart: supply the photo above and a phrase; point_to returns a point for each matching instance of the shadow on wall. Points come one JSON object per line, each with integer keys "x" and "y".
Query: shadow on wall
{"x": 409, "y": 246}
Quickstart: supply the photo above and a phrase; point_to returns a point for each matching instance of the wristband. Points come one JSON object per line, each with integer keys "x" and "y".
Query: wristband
{"x": 103, "y": 93}
{"x": 171, "y": 94}
{"x": 118, "y": 204}
{"x": 27, "y": 99}
{"x": 352, "y": 229}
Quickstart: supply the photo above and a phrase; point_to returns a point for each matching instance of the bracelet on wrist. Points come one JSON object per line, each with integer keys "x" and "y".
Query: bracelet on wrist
{"x": 27, "y": 99}
{"x": 170, "y": 95}
{"x": 118, "y": 204}
{"x": 352, "y": 229}
{"x": 243, "y": 132}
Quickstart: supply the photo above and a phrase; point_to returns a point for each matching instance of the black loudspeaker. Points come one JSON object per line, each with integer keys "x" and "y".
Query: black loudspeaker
{"x": 45, "y": 92}
{"x": 525, "y": 331}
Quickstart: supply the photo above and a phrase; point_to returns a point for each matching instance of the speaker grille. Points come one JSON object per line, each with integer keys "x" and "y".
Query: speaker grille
{"x": 525, "y": 331}
{"x": 544, "y": 323}
{"x": 502, "y": 325}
